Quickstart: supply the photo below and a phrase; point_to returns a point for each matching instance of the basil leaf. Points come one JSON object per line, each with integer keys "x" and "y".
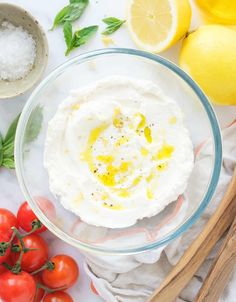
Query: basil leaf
{"x": 71, "y": 12}
{"x": 77, "y": 10}
{"x": 8, "y": 163}
{"x": 59, "y": 19}
{"x": 7, "y": 145}
{"x": 67, "y": 29}
{"x": 10, "y": 136}
{"x": 111, "y": 20}
{"x": 34, "y": 124}
{"x": 113, "y": 25}
{"x": 81, "y": 37}
{"x": 1, "y": 149}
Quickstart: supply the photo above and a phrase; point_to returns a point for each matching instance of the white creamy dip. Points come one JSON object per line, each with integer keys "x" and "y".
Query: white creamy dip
{"x": 117, "y": 151}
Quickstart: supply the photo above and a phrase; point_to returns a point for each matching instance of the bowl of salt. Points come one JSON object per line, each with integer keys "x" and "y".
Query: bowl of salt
{"x": 23, "y": 51}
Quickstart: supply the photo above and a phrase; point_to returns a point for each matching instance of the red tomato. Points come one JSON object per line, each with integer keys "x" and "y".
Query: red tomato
{"x": 4, "y": 238}
{"x": 20, "y": 288}
{"x": 58, "y": 297}
{"x": 65, "y": 273}
{"x": 40, "y": 292}
{"x": 93, "y": 288}
{"x": 25, "y": 217}
{"x": 32, "y": 260}
{"x": 7, "y": 221}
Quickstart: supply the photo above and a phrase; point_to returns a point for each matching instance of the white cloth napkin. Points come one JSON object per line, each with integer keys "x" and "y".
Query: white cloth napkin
{"x": 133, "y": 278}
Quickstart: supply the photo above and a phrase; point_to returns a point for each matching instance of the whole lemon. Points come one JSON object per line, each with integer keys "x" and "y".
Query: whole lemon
{"x": 223, "y": 11}
{"x": 209, "y": 56}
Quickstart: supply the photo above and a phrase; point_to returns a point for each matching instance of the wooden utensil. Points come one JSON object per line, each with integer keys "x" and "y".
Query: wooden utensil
{"x": 221, "y": 269}
{"x": 194, "y": 256}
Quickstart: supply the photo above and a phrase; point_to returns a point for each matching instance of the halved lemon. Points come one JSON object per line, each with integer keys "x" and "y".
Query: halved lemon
{"x": 155, "y": 25}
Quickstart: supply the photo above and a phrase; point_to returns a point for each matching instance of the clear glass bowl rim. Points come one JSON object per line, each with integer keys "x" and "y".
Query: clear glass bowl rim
{"x": 215, "y": 132}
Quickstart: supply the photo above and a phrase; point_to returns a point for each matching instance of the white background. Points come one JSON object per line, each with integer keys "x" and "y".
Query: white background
{"x": 44, "y": 11}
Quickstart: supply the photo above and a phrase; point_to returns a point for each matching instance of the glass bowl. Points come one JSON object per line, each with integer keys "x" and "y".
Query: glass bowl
{"x": 148, "y": 233}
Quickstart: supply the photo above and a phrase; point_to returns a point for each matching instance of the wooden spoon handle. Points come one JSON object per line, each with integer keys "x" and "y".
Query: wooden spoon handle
{"x": 221, "y": 269}
{"x": 194, "y": 256}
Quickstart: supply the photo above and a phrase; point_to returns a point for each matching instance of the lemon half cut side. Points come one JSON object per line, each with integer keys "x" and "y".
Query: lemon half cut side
{"x": 155, "y": 25}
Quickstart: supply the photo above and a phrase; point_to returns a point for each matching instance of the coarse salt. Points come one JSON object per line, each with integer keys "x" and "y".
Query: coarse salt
{"x": 17, "y": 52}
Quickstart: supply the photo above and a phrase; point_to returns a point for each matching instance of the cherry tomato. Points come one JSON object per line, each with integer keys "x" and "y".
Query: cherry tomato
{"x": 93, "y": 288}
{"x": 20, "y": 288}
{"x": 58, "y": 297}
{"x": 32, "y": 260}
{"x": 7, "y": 221}
{"x": 4, "y": 238}
{"x": 40, "y": 292}
{"x": 65, "y": 273}
{"x": 25, "y": 217}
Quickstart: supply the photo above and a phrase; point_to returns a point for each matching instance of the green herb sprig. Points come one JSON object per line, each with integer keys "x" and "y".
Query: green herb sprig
{"x": 70, "y": 13}
{"x": 79, "y": 38}
{"x": 113, "y": 24}
{"x": 7, "y": 146}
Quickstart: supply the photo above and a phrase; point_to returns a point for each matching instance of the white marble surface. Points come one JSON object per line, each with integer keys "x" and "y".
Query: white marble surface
{"x": 44, "y": 11}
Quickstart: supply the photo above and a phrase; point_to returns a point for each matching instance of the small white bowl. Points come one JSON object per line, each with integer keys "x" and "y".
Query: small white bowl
{"x": 20, "y": 17}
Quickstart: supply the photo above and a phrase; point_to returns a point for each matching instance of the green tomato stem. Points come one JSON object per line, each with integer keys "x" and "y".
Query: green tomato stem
{"x": 36, "y": 225}
{"x": 5, "y": 245}
{"x": 48, "y": 265}
{"x": 3, "y": 248}
{"x": 50, "y": 290}
{"x": 15, "y": 248}
{"x": 16, "y": 269}
{"x": 20, "y": 237}
{"x": 8, "y": 266}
